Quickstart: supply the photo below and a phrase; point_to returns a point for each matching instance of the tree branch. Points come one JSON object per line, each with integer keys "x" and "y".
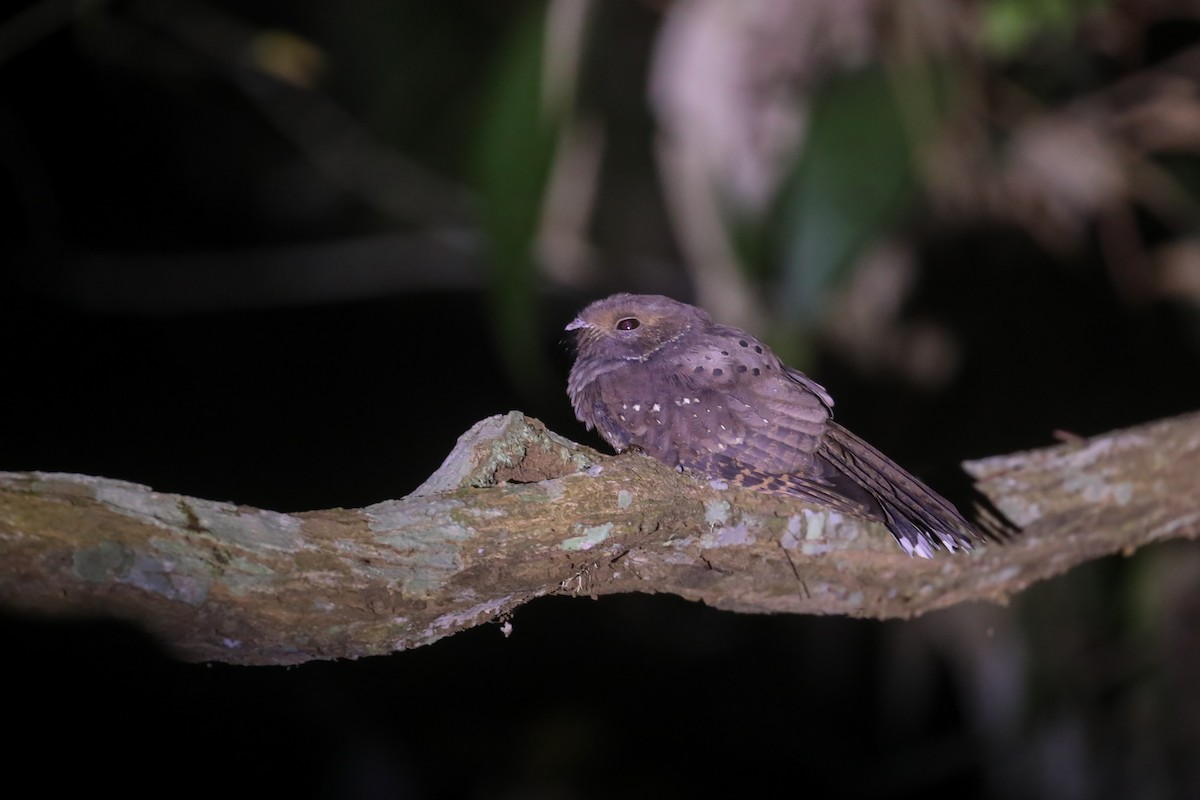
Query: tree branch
{"x": 517, "y": 512}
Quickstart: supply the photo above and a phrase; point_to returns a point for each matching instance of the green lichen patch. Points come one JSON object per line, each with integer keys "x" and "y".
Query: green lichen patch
{"x": 588, "y": 539}
{"x": 716, "y": 512}
{"x": 424, "y": 540}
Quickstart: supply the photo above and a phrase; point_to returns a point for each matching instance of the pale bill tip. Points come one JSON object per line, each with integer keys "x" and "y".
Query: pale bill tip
{"x": 575, "y": 324}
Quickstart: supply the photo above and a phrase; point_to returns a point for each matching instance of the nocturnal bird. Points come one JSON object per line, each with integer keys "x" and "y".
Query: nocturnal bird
{"x": 660, "y": 376}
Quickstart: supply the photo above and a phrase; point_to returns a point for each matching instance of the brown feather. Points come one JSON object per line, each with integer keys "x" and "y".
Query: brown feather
{"x": 657, "y": 374}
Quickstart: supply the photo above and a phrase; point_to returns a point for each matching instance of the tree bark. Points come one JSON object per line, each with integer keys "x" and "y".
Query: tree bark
{"x": 517, "y": 512}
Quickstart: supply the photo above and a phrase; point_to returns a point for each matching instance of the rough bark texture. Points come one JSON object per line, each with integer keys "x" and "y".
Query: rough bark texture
{"x": 517, "y": 512}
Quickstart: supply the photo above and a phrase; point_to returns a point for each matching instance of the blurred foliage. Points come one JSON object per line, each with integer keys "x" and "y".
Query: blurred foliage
{"x": 914, "y": 118}
{"x": 853, "y": 177}
{"x": 1010, "y": 25}
{"x": 516, "y": 146}
{"x": 793, "y": 140}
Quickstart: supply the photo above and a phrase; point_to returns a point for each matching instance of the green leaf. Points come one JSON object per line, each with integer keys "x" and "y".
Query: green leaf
{"x": 854, "y": 175}
{"x": 1010, "y": 25}
{"x": 514, "y": 153}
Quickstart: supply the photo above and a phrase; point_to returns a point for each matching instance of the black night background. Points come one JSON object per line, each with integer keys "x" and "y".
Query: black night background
{"x": 284, "y": 253}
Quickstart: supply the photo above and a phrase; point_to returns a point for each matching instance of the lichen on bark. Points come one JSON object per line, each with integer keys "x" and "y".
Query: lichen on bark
{"x": 516, "y": 512}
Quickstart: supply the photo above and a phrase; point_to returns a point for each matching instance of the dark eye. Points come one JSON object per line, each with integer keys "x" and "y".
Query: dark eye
{"x": 628, "y": 324}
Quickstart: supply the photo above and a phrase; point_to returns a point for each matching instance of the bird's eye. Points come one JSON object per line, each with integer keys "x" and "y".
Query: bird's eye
{"x": 628, "y": 324}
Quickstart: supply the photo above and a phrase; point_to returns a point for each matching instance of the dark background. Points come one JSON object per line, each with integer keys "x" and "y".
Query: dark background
{"x": 291, "y": 277}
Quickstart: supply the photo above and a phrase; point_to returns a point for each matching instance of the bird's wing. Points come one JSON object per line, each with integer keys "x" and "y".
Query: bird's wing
{"x": 735, "y": 412}
{"x": 737, "y": 402}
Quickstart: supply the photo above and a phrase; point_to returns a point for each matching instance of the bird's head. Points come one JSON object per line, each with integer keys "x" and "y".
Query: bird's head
{"x": 632, "y": 327}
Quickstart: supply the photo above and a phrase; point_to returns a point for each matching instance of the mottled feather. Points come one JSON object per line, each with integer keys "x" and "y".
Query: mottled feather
{"x": 660, "y": 375}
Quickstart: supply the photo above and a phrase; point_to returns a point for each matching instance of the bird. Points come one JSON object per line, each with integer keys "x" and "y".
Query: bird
{"x": 659, "y": 376}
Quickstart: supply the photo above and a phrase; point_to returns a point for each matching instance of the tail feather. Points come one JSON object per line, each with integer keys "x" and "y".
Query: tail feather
{"x": 920, "y": 519}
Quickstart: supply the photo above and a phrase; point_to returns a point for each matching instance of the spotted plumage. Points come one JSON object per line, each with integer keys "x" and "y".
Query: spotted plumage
{"x": 661, "y": 376}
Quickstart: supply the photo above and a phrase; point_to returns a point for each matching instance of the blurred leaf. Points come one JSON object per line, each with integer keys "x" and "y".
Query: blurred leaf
{"x": 852, "y": 178}
{"x": 288, "y": 57}
{"x": 1184, "y": 170}
{"x": 1010, "y": 25}
{"x": 514, "y": 153}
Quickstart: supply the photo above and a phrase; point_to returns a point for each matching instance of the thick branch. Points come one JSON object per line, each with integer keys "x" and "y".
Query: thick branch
{"x": 517, "y": 512}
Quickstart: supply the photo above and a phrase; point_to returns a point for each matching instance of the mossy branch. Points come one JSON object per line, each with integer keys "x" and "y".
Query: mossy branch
{"x": 517, "y": 512}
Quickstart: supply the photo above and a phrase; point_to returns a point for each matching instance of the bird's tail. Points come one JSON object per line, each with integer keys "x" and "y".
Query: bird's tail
{"x": 920, "y": 519}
